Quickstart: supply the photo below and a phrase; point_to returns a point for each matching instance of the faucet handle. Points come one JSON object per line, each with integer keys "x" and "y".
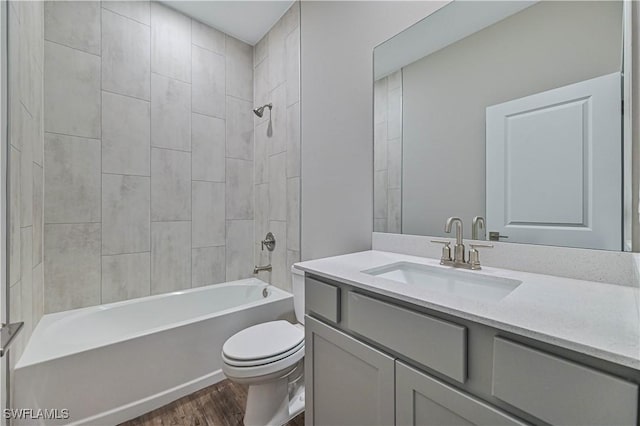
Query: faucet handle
{"x": 446, "y": 250}
{"x": 474, "y": 256}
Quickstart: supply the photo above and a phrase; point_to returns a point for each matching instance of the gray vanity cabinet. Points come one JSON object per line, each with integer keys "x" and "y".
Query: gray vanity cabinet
{"x": 351, "y": 383}
{"x": 424, "y": 400}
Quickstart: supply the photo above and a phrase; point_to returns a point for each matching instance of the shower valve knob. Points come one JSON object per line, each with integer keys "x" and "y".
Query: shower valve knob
{"x": 269, "y": 242}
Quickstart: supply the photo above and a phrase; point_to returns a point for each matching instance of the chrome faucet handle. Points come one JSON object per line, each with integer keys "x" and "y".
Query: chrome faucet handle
{"x": 446, "y": 250}
{"x": 474, "y": 255}
{"x": 478, "y": 223}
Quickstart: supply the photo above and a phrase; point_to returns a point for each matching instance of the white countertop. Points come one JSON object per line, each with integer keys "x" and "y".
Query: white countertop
{"x": 601, "y": 320}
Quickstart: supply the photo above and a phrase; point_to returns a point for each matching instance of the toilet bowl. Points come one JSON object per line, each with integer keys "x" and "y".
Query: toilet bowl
{"x": 269, "y": 358}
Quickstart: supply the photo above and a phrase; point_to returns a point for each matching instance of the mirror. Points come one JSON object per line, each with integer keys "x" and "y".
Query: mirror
{"x": 512, "y": 111}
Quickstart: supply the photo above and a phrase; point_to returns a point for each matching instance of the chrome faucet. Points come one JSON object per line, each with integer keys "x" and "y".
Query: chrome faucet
{"x": 458, "y": 249}
{"x": 257, "y": 269}
{"x": 458, "y": 260}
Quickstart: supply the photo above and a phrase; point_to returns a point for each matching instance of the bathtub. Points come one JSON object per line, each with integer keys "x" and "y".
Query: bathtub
{"x": 110, "y": 363}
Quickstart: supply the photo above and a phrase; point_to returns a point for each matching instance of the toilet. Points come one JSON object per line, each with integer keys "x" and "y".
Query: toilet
{"x": 269, "y": 358}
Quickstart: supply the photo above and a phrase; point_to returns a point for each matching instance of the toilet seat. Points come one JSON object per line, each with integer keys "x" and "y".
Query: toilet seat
{"x": 263, "y": 341}
{"x": 264, "y": 350}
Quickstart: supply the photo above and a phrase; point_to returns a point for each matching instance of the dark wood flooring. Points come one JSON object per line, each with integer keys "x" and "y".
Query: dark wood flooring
{"x": 219, "y": 405}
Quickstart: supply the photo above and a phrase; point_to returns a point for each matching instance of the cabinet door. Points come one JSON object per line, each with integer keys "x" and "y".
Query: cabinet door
{"x": 347, "y": 382}
{"x": 423, "y": 400}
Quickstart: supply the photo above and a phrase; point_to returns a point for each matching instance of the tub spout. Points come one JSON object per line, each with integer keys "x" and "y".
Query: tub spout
{"x": 257, "y": 269}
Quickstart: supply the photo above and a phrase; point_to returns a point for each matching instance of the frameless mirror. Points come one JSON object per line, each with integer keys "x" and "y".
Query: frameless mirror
{"x": 512, "y": 111}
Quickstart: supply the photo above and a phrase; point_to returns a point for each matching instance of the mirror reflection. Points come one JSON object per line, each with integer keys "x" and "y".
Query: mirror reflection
{"x": 510, "y": 111}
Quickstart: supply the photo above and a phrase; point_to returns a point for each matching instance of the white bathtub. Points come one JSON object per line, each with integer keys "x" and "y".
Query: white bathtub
{"x": 110, "y": 363}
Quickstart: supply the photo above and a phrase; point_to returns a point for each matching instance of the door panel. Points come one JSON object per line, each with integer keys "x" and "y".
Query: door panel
{"x": 347, "y": 382}
{"x": 426, "y": 401}
{"x": 554, "y": 166}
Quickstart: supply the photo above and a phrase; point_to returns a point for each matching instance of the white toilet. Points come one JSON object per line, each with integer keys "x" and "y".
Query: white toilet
{"x": 269, "y": 358}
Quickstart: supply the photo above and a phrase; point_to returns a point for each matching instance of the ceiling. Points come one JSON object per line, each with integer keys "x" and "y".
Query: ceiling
{"x": 248, "y": 21}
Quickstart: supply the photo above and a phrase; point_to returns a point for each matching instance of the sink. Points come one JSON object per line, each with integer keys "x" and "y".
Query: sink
{"x": 472, "y": 285}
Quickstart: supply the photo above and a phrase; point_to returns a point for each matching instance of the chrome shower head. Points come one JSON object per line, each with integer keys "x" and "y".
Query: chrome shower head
{"x": 260, "y": 111}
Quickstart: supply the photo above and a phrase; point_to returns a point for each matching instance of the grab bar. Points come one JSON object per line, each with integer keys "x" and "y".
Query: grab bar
{"x": 8, "y": 333}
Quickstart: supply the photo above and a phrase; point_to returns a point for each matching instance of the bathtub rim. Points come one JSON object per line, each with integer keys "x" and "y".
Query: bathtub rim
{"x": 276, "y": 294}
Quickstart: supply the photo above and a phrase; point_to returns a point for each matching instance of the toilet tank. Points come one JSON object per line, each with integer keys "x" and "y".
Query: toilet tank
{"x": 297, "y": 286}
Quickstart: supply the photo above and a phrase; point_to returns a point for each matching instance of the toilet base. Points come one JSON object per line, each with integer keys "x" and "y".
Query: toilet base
{"x": 274, "y": 403}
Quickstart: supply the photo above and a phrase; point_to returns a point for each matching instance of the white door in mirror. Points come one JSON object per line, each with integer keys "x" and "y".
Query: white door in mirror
{"x": 554, "y": 166}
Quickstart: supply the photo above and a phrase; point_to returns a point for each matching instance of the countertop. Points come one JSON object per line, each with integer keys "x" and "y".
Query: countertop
{"x": 596, "y": 319}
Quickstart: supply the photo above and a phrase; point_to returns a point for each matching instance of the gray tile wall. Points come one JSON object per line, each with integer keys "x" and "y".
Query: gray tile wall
{"x": 148, "y": 153}
{"x": 25, "y": 167}
{"x": 276, "y": 76}
{"x": 387, "y": 143}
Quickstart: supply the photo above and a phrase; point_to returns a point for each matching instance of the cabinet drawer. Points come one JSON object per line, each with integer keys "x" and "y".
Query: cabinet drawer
{"x": 558, "y": 391}
{"x": 424, "y": 400}
{"x": 434, "y": 343}
{"x": 322, "y": 299}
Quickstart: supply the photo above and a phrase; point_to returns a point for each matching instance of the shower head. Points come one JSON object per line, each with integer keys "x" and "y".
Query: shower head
{"x": 259, "y": 111}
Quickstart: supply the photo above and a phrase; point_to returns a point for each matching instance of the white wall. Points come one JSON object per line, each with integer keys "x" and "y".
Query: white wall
{"x": 337, "y": 117}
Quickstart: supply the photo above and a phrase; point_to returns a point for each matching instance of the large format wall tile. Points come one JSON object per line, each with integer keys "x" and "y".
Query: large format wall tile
{"x": 239, "y": 189}
{"x": 73, "y": 23}
{"x": 208, "y": 85}
{"x": 72, "y": 179}
{"x": 292, "y": 49}
{"x": 293, "y": 140}
{"x": 208, "y": 148}
{"x": 126, "y": 276}
{"x": 126, "y": 56}
{"x": 239, "y": 69}
{"x": 125, "y": 214}
{"x": 261, "y": 157}
{"x": 239, "y": 257}
{"x": 278, "y": 139}
{"x": 38, "y": 293}
{"x": 26, "y": 178}
{"x": 278, "y": 187}
{"x": 277, "y": 56}
{"x": 204, "y": 36}
{"x": 170, "y": 113}
{"x": 261, "y": 220}
{"x": 279, "y": 272}
{"x": 14, "y": 216}
{"x": 72, "y": 266}
{"x": 125, "y": 135}
{"x": 207, "y": 266}
{"x": 293, "y": 214}
{"x": 26, "y": 278}
{"x": 137, "y": 10}
{"x": 71, "y": 91}
{"x": 261, "y": 87}
{"x": 239, "y": 129}
{"x": 170, "y": 256}
{"x": 170, "y": 43}
{"x": 208, "y": 227}
{"x": 170, "y": 185}
{"x": 38, "y": 213}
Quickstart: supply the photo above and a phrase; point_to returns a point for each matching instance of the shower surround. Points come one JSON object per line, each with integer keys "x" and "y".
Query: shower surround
{"x": 151, "y": 168}
{"x": 148, "y": 150}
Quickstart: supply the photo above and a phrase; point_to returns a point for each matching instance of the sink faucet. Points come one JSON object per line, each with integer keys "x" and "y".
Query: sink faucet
{"x": 458, "y": 260}
{"x": 458, "y": 249}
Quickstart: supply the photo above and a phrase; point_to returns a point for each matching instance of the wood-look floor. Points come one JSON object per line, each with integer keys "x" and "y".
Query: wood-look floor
{"x": 219, "y": 405}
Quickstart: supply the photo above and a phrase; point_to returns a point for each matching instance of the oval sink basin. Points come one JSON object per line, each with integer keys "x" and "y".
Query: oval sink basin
{"x": 468, "y": 284}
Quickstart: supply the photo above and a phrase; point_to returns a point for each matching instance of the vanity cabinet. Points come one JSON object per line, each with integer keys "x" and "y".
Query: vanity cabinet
{"x": 374, "y": 360}
{"x": 352, "y": 383}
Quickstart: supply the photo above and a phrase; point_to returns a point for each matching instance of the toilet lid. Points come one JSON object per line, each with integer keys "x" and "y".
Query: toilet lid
{"x": 264, "y": 340}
